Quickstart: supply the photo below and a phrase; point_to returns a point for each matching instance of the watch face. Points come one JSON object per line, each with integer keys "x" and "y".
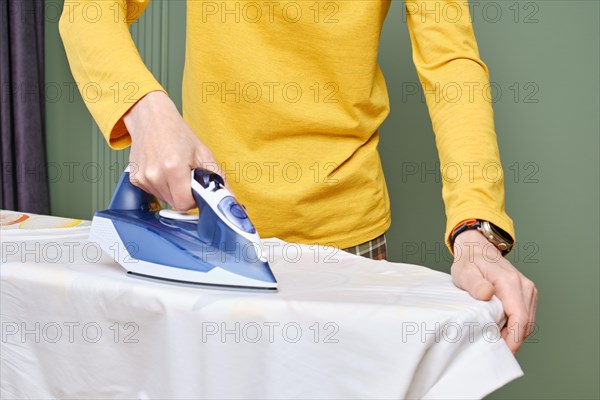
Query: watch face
{"x": 502, "y": 234}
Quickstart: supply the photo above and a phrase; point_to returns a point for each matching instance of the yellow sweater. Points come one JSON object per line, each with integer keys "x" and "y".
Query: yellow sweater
{"x": 289, "y": 97}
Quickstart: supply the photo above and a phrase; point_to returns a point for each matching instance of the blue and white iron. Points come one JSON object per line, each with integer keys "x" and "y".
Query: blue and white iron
{"x": 220, "y": 246}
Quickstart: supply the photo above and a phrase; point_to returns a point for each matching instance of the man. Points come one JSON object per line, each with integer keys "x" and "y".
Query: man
{"x": 286, "y": 98}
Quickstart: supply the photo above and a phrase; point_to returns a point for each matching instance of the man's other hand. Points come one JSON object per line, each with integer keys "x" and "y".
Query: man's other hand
{"x": 480, "y": 269}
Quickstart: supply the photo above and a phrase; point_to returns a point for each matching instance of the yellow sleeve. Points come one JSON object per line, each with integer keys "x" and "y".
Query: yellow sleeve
{"x": 110, "y": 74}
{"x": 456, "y": 85}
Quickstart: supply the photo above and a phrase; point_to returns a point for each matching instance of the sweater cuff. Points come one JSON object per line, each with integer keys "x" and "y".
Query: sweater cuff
{"x": 113, "y": 128}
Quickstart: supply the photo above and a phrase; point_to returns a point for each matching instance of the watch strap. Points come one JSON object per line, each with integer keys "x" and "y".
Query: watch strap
{"x": 465, "y": 225}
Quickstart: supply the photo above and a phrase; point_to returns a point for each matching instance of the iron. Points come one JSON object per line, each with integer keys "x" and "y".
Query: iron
{"x": 218, "y": 247}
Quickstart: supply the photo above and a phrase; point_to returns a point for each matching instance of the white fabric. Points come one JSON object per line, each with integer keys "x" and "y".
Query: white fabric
{"x": 369, "y": 329}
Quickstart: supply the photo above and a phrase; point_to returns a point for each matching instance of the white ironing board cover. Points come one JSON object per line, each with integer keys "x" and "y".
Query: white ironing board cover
{"x": 74, "y": 325}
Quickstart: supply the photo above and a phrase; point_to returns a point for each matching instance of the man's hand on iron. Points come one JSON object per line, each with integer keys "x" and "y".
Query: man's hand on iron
{"x": 164, "y": 150}
{"x": 480, "y": 269}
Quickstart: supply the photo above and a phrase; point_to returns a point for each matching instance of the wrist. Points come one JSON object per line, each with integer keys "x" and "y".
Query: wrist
{"x": 461, "y": 227}
{"x": 469, "y": 236}
{"x": 473, "y": 243}
{"x": 144, "y": 109}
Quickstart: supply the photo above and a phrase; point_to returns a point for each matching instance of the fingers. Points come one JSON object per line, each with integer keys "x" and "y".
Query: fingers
{"x": 468, "y": 277}
{"x": 144, "y": 180}
{"x": 179, "y": 186}
{"x": 530, "y": 296}
{"x": 207, "y": 161}
{"x": 509, "y": 289}
{"x": 152, "y": 183}
{"x": 518, "y": 294}
{"x": 170, "y": 182}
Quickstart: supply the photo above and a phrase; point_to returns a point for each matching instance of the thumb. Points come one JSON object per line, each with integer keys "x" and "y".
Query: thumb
{"x": 468, "y": 277}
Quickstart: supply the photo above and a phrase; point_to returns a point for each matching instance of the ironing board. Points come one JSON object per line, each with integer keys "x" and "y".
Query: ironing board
{"x": 75, "y": 325}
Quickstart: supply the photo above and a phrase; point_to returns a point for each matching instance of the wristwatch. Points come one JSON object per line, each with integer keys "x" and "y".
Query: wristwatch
{"x": 495, "y": 235}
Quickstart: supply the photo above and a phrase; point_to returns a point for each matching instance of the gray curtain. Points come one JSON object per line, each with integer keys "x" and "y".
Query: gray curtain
{"x": 23, "y": 182}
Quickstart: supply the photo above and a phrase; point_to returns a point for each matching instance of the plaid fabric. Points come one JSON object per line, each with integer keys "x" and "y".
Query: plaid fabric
{"x": 375, "y": 249}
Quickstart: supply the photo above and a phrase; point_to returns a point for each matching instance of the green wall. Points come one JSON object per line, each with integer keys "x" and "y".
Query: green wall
{"x": 544, "y": 57}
